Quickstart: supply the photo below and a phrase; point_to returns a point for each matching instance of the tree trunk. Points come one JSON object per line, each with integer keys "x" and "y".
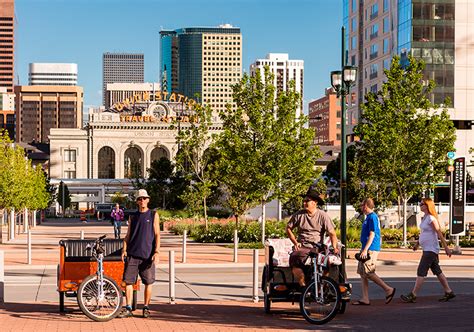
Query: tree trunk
{"x": 279, "y": 210}
{"x": 399, "y": 212}
{"x": 1, "y": 226}
{"x": 404, "y": 222}
{"x": 263, "y": 220}
{"x": 236, "y": 221}
{"x": 205, "y": 210}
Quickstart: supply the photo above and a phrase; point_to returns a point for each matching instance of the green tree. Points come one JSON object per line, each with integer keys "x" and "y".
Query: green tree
{"x": 165, "y": 184}
{"x": 195, "y": 160}
{"x": 404, "y": 137}
{"x": 21, "y": 185}
{"x": 119, "y": 198}
{"x": 265, "y": 150}
{"x": 64, "y": 197}
{"x": 40, "y": 197}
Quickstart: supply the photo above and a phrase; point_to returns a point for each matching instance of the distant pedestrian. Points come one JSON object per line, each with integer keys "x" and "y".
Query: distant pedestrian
{"x": 141, "y": 249}
{"x": 430, "y": 234}
{"x": 116, "y": 219}
{"x": 371, "y": 241}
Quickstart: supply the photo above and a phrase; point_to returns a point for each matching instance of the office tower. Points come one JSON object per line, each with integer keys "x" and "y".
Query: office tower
{"x": 436, "y": 31}
{"x": 42, "y": 107}
{"x": 53, "y": 74}
{"x": 284, "y": 70}
{"x": 325, "y": 117}
{"x": 7, "y": 112}
{"x": 121, "y": 68}
{"x": 203, "y": 61}
{"x": 169, "y": 60}
{"x": 7, "y": 41}
{"x": 118, "y": 92}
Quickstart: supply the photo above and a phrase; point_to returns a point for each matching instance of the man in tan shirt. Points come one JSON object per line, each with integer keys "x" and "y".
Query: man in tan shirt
{"x": 313, "y": 225}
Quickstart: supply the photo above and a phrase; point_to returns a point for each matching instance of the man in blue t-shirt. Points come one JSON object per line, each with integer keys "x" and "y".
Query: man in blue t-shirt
{"x": 371, "y": 243}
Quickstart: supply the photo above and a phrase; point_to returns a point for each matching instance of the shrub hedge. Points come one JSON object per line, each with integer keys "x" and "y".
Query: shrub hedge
{"x": 251, "y": 232}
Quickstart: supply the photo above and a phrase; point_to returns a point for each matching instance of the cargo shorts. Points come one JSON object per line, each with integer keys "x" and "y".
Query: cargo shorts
{"x": 367, "y": 268}
{"x": 135, "y": 266}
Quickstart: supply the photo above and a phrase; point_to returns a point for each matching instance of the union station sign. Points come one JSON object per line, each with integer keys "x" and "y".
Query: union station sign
{"x": 146, "y": 97}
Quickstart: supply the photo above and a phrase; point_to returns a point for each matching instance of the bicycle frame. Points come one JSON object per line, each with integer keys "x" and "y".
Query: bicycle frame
{"x": 317, "y": 263}
{"x": 98, "y": 253}
{"x": 100, "y": 275}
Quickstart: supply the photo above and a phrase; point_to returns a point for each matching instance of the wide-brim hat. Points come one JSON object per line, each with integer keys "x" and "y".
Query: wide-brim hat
{"x": 314, "y": 195}
{"x": 141, "y": 193}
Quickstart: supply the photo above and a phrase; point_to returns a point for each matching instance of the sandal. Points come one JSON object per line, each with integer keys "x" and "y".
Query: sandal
{"x": 447, "y": 297}
{"x": 146, "y": 312}
{"x": 389, "y": 297}
{"x": 409, "y": 298}
{"x": 359, "y": 302}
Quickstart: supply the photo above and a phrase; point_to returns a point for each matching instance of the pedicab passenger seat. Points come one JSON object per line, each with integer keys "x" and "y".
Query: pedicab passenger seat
{"x": 279, "y": 251}
{"x": 277, "y": 262}
{"x": 76, "y": 250}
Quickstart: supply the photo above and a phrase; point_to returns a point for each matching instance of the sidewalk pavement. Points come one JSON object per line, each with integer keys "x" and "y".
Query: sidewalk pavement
{"x": 190, "y": 315}
{"x": 45, "y": 248}
{"x": 426, "y": 314}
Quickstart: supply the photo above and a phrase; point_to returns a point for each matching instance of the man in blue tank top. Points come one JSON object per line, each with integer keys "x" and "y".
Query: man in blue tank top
{"x": 141, "y": 250}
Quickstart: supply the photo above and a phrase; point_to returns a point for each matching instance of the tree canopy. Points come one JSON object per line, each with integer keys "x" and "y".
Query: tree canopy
{"x": 21, "y": 185}
{"x": 404, "y": 136}
{"x": 265, "y": 150}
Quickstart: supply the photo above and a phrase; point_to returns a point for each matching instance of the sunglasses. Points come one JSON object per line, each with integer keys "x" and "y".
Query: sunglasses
{"x": 141, "y": 199}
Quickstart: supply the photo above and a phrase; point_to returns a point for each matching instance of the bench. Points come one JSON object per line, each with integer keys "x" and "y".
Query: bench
{"x": 76, "y": 263}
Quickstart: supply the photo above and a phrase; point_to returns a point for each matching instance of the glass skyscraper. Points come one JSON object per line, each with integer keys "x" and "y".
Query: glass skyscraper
{"x": 202, "y": 63}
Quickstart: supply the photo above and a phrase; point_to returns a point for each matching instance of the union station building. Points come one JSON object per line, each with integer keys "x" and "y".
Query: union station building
{"x": 124, "y": 140}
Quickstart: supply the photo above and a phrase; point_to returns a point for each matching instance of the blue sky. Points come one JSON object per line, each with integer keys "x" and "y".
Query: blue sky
{"x": 80, "y": 31}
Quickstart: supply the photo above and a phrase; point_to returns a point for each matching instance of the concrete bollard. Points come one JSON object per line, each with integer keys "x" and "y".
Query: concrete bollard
{"x": 183, "y": 256}
{"x": 236, "y": 245}
{"x": 25, "y": 222}
{"x": 82, "y": 235}
{"x": 172, "y": 290}
{"x": 11, "y": 232}
{"x": 29, "y": 247}
{"x": 255, "y": 276}
{"x": 2, "y": 279}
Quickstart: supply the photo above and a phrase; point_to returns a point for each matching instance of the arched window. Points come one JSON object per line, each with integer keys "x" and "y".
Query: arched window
{"x": 106, "y": 161}
{"x": 158, "y": 153}
{"x": 133, "y": 163}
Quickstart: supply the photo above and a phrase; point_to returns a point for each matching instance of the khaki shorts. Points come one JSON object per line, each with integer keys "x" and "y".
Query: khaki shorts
{"x": 367, "y": 268}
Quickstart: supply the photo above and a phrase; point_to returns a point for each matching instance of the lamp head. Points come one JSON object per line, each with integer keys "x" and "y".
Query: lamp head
{"x": 336, "y": 80}
{"x": 349, "y": 75}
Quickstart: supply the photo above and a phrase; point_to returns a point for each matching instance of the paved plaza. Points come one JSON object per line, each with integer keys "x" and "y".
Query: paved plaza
{"x": 213, "y": 293}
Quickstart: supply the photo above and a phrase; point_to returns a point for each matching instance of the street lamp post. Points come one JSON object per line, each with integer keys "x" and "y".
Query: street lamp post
{"x": 342, "y": 81}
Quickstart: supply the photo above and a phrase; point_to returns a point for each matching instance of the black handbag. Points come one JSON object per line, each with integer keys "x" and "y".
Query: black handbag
{"x": 357, "y": 256}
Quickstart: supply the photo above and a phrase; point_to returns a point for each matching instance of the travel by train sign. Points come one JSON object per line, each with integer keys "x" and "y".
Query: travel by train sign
{"x": 458, "y": 197}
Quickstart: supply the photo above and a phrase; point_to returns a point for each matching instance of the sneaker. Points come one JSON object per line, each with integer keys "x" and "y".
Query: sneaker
{"x": 409, "y": 298}
{"x": 447, "y": 297}
{"x": 146, "y": 312}
{"x": 126, "y": 313}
